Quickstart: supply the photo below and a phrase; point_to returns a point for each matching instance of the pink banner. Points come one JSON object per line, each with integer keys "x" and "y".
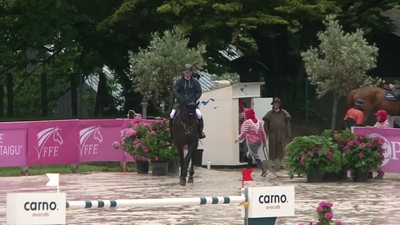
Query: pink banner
{"x": 61, "y": 142}
{"x": 96, "y": 138}
{"x": 391, "y": 145}
{"x": 53, "y": 142}
{"x": 13, "y": 148}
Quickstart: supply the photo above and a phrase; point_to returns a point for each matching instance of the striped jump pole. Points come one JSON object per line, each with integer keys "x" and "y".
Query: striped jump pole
{"x": 153, "y": 202}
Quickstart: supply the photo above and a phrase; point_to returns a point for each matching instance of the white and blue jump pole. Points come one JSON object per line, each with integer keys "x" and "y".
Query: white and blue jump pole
{"x": 242, "y": 200}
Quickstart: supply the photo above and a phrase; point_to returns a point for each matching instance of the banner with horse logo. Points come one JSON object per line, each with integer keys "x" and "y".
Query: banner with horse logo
{"x": 13, "y": 148}
{"x": 53, "y": 142}
{"x": 391, "y": 144}
{"x": 96, "y": 138}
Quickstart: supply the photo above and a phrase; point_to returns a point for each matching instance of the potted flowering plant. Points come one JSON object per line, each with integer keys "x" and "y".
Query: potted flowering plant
{"x": 313, "y": 155}
{"x": 161, "y": 149}
{"x": 341, "y": 138}
{"x": 132, "y": 136}
{"x": 364, "y": 153}
{"x": 325, "y": 215}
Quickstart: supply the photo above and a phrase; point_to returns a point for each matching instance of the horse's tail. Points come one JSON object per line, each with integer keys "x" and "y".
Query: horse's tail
{"x": 349, "y": 99}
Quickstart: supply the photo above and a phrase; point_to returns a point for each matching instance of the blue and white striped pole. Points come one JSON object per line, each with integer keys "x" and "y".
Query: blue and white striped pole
{"x": 153, "y": 202}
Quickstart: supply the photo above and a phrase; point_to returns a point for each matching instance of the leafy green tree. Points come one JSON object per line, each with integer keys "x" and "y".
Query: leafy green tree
{"x": 155, "y": 69}
{"x": 340, "y": 62}
{"x": 274, "y": 31}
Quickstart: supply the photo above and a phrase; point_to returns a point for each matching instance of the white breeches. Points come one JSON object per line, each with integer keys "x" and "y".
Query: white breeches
{"x": 198, "y": 113}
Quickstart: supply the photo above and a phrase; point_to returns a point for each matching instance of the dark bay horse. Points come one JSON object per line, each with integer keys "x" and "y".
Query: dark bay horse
{"x": 185, "y": 131}
{"x": 374, "y": 100}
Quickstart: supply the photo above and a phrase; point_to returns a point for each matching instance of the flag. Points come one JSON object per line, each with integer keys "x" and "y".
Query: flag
{"x": 246, "y": 175}
{"x": 53, "y": 179}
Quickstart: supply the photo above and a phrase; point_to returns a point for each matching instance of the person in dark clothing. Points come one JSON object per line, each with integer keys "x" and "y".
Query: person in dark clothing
{"x": 354, "y": 116}
{"x": 187, "y": 88}
{"x": 396, "y": 89}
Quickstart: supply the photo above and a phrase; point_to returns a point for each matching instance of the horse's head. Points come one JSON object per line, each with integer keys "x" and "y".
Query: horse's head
{"x": 57, "y": 137}
{"x": 97, "y": 135}
{"x": 190, "y": 108}
{"x": 187, "y": 111}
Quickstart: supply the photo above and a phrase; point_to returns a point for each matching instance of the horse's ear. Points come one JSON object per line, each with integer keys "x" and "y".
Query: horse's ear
{"x": 197, "y": 104}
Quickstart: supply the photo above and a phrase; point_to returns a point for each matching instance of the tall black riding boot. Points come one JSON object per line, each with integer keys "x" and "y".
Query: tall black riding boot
{"x": 201, "y": 127}
{"x": 261, "y": 165}
{"x": 250, "y": 162}
{"x": 170, "y": 127}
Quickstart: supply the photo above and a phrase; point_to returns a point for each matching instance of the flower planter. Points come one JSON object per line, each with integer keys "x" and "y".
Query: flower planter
{"x": 331, "y": 176}
{"x": 173, "y": 166}
{"x": 315, "y": 176}
{"x": 360, "y": 176}
{"x": 142, "y": 167}
{"x": 343, "y": 173}
{"x": 159, "y": 168}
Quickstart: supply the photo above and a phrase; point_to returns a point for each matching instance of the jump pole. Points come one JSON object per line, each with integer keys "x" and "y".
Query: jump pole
{"x": 154, "y": 202}
{"x": 262, "y": 205}
{"x": 253, "y": 211}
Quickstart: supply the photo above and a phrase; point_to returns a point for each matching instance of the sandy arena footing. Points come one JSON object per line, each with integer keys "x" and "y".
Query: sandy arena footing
{"x": 372, "y": 203}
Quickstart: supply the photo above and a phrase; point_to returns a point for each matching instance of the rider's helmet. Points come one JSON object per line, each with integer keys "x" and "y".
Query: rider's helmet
{"x": 358, "y": 103}
{"x": 188, "y": 68}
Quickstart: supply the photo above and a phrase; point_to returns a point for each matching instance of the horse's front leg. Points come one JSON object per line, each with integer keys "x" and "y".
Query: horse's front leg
{"x": 184, "y": 169}
{"x": 182, "y": 163}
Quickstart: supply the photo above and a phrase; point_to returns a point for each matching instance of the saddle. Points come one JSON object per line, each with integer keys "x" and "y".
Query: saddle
{"x": 390, "y": 96}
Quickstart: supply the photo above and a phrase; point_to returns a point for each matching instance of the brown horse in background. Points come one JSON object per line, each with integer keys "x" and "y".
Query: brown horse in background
{"x": 374, "y": 100}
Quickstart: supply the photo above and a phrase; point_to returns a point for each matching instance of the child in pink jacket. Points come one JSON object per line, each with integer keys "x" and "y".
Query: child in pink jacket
{"x": 381, "y": 122}
{"x": 252, "y": 130}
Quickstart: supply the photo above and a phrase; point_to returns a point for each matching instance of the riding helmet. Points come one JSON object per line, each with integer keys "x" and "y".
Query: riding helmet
{"x": 188, "y": 68}
{"x": 359, "y": 101}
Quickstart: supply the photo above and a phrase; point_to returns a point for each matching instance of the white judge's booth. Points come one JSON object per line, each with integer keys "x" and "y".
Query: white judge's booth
{"x": 220, "y": 109}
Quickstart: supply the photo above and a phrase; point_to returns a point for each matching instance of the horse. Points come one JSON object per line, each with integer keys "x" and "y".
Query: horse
{"x": 375, "y": 98}
{"x": 185, "y": 131}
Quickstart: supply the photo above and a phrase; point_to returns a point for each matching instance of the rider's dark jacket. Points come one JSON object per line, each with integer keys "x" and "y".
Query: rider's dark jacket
{"x": 187, "y": 90}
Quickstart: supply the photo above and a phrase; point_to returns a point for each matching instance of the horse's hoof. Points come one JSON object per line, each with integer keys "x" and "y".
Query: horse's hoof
{"x": 182, "y": 182}
{"x": 190, "y": 180}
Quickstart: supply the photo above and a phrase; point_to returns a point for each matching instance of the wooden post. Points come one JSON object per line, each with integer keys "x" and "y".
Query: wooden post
{"x": 144, "y": 105}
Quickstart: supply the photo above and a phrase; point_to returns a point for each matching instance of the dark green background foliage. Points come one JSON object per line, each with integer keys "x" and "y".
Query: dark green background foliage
{"x": 69, "y": 40}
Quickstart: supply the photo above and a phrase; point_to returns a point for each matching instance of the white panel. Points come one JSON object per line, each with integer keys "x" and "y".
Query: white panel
{"x": 246, "y": 90}
{"x": 261, "y": 106}
{"x": 218, "y": 144}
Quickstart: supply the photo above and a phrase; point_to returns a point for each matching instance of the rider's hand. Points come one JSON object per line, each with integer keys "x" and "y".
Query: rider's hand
{"x": 236, "y": 141}
{"x": 264, "y": 144}
{"x": 391, "y": 86}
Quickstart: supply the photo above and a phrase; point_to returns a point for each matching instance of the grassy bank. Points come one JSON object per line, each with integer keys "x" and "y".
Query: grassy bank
{"x": 85, "y": 167}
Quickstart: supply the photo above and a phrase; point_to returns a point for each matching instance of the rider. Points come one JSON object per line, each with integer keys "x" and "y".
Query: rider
{"x": 187, "y": 88}
{"x": 395, "y": 88}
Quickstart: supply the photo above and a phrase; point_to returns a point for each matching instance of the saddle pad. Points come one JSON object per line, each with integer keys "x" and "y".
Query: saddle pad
{"x": 390, "y": 96}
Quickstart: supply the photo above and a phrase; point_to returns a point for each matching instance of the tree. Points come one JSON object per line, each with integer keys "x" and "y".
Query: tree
{"x": 155, "y": 68}
{"x": 340, "y": 63}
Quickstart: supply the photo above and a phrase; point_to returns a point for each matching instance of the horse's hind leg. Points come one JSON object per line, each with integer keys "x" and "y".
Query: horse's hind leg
{"x": 191, "y": 171}
{"x": 184, "y": 171}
